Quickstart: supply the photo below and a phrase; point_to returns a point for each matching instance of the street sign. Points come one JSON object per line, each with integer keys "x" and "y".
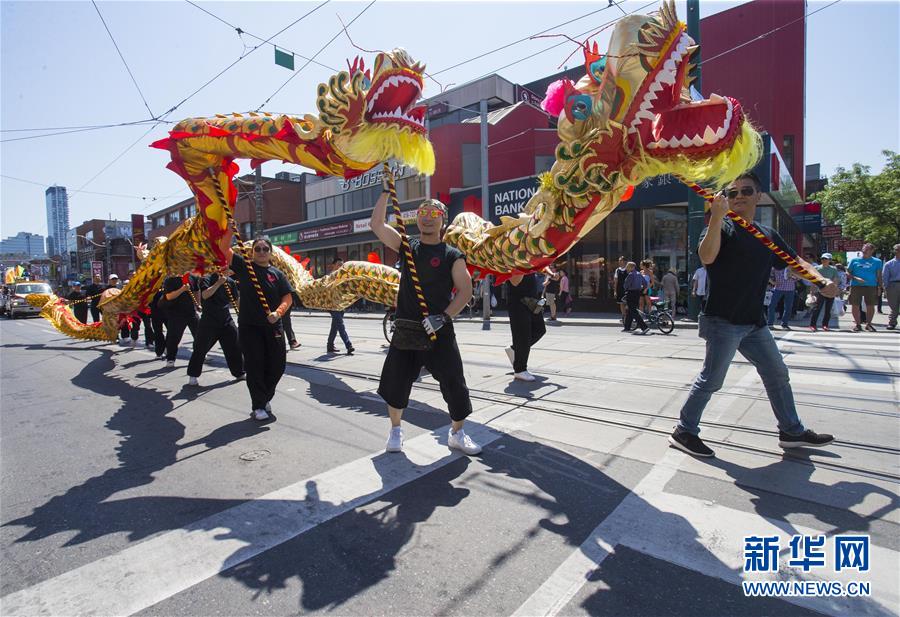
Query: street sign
{"x": 97, "y": 270}
{"x": 285, "y": 59}
{"x": 832, "y": 231}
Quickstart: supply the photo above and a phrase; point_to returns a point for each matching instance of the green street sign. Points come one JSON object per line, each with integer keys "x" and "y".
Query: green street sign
{"x": 285, "y": 59}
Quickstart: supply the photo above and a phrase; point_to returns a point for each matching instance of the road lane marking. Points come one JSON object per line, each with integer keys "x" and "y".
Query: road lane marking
{"x": 152, "y": 571}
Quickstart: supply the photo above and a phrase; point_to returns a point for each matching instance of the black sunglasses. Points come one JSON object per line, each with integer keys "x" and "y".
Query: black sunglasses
{"x": 261, "y": 249}
{"x": 746, "y": 191}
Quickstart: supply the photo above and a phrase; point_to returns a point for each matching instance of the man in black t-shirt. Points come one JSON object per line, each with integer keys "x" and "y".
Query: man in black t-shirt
{"x": 619, "y": 282}
{"x": 738, "y": 268}
{"x": 216, "y": 325}
{"x": 440, "y": 268}
{"x": 77, "y": 295}
{"x": 181, "y": 312}
{"x": 92, "y": 290}
{"x": 527, "y": 325}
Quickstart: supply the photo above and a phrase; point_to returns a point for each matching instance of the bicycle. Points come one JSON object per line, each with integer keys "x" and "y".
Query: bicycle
{"x": 660, "y": 316}
{"x": 387, "y": 325}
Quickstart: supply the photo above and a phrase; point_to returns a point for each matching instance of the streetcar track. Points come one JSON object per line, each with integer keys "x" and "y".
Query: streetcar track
{"x": 533, "y": 404}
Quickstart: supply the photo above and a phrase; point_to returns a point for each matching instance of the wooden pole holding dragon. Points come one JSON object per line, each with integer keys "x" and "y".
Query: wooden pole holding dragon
{"x": 404, "y": 245}
{"x": 813, "y": 277}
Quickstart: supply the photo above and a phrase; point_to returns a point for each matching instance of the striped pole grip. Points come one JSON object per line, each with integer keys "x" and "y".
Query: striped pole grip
{"x": 186, "y": 280}
{"x": 248, "y": 257}
{"x": 85, "y": 299}
{"x": 230, "y": 295}
{"x": 796, "y": 266}
{"x": 404, "y": 244}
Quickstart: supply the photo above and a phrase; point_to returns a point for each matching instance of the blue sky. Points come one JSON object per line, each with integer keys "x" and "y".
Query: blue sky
{"x": 59, "y": 69}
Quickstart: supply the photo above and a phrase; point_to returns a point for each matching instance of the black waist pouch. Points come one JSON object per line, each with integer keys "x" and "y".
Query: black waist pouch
{"x": 410, "y": 335}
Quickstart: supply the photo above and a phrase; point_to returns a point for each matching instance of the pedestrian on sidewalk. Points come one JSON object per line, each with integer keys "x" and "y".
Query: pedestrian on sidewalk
{"x": 635, "y": 287}
{"x": 890, "y": 278}
{"x": 551, "y": 289}
{"x": 526, "y": 321}
{"x": 565, "y": 300}
{"x": 785, "y": 288}
{"x": 650, "y": 279}
{"x": 670, "y": 288}
{"x": 337, "y": 321}
{"x": 440, "y": 268}
{"x": 181, "y": 312}
{"x": 830, "y": 273}
{"x": 260, "y": 329}
{"x": 619, "y": 283}
{"x": 698, "y": 286}
{"x": 216, "y": 326}
{"x": 865, "y": 284}
{"x": 738, "y": 267}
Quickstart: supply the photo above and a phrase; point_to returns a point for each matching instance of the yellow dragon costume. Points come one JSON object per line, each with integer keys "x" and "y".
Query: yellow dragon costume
{"x": 629, "y": 118}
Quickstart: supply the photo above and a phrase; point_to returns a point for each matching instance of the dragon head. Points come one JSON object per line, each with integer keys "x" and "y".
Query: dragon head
{"x": 632, "y": 115}
{"x": 373, "y": 116}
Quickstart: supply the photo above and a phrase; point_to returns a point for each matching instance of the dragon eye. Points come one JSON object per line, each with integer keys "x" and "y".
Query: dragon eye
{"x": 366, "y": 83}
{"x": 578, "y": 107}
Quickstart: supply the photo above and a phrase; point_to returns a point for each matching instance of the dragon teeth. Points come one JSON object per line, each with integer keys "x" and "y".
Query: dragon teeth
{"x": 709, "y": 136}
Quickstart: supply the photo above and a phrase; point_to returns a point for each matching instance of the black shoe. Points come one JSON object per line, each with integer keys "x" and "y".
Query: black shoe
{"x": 857, "y": 328}
{"x": 805, "y": 439}
{"x": 350, "y": 350}
{"x": 892, "y": 327}
{"x": 691, "y": 444}
{"x": 332, "y": 350}
{"x": 785, "y": 327}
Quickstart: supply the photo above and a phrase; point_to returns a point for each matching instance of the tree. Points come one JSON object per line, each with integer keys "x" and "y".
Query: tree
{"x": 868, "y": 206}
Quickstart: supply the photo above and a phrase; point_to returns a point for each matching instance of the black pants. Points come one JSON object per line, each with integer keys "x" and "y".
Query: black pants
{"x": 149, "y": 334}
{"x": 337, "y": 327}
{"x": 81, "y": 312}
{"x": 527, "y": 329}
{"x": 828, "y": 303}
{"x": 95, "y": 313}
{"x": 176, "y": 325}
{"x": 632, "y": 298}
{"x": 208, "y": 333}
{"x": 402, "y": 367}
{"x": 158, "y": 322}
{"x": 132, "y": 330}
{"x": 288, "y": 327}
{"x": 264, "y": 359}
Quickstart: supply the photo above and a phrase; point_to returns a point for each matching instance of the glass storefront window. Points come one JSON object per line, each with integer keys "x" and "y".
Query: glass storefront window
{"x": 665, "y": 240}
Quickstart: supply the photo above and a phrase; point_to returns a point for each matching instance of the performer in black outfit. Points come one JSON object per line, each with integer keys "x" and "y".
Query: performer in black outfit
{"x": 216, "y": 324}
{"x": 80, "y": 309}
{"x": 261, "y": 334}
{"x": 440, "y": 269}
{"x": 181, "y": 312}
{"x": 527, "y": 325}
{"x": 158, "y": 321}
{"x": 92, "y": 290}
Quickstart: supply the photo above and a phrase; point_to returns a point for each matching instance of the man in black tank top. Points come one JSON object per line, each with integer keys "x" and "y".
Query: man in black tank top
{"x": 440, "y": 268}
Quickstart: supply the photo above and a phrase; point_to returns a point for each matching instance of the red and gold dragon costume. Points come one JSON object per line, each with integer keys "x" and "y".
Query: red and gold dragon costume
{"x": 363, "y": 119}
{"x": 629, "y": 118}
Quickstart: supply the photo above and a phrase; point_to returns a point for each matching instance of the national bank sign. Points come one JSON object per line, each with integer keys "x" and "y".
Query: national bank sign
{"x": 505, "y": 198}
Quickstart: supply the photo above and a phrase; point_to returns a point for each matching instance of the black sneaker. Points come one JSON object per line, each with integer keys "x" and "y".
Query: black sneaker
{"x": 691, "y": 444}
{"x": 350, "y": 350}
{"x": 332, "y": 350}
{"x": 803, "y": 440}
{"x": 785, "y": 327}
{"x": 857, "y": 328}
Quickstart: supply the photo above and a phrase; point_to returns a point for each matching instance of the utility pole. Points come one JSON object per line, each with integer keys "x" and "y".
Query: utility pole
{"x": 107, "y": 233}
{"x": 428, "y": 137}
{"x": 696, "y": 205}
{"x": 485, "y": 213}
{"x": 258, "y": 192}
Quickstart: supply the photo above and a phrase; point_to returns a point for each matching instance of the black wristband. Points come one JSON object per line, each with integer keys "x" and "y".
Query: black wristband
{"x": 446, "y": 316}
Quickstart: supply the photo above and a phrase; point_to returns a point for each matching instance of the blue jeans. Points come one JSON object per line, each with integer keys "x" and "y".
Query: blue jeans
{"x": 337, "y": 327}
{"x": 755, "y": 343}
{"x": 788, "y": 296}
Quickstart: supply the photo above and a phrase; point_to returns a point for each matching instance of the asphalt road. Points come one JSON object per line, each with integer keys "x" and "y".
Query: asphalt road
{"x": 126, "y": 491}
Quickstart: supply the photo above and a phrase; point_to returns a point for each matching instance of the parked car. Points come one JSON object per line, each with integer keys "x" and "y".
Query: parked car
{"x": 16, "y": 305}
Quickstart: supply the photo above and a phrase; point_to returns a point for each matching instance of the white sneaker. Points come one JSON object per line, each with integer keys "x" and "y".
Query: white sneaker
{"x": 460, "y": 441}
{"x": 395, "y": 440}
{"x": 260, "y": 414}
{"x": 192, "y": 381}
{"x": 524, "y": 376}
{"x": 511, "y": 354}
{"x": 170, "y": 363}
